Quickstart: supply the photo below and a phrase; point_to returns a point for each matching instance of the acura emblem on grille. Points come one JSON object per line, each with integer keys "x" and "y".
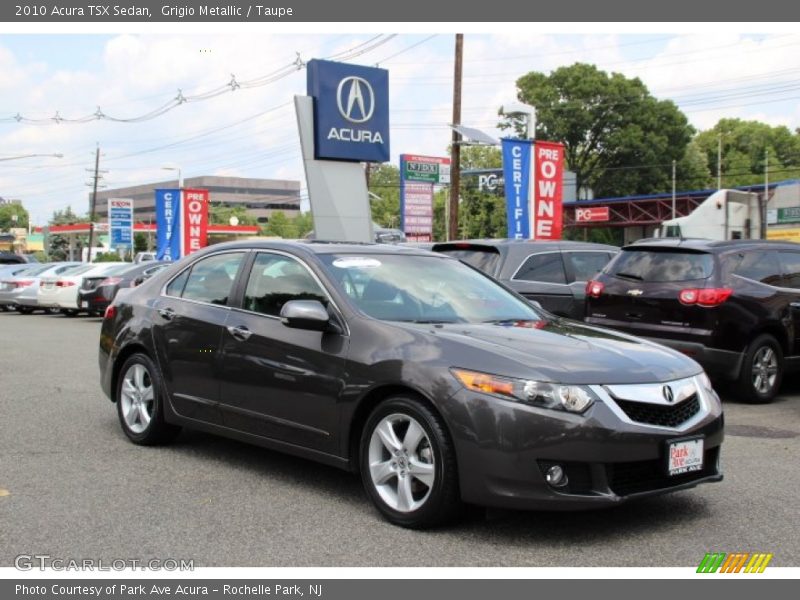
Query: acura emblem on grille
{"x": 669, "y": 396}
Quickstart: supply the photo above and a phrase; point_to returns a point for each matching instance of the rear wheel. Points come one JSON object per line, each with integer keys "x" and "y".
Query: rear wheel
{"x": 140, "y": 403}
{"x": 762, "y": 371}
{"x": 69, "y": 312}
{"x": 408, "y": 464}
{"x": 25, "y": 310}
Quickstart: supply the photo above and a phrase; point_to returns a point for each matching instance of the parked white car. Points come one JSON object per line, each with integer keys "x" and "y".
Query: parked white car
{"x": 62, "y": 291}
{"x": 21, "y": 291}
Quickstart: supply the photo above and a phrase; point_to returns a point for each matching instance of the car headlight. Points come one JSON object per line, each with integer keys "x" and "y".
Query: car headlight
{"x": 705, "y": 382}
{"x": 570, "y": 398}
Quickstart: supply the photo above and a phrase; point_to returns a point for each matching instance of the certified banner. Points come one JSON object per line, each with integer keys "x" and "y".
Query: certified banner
{"x": 546, "y": 219}
{"x": 517, "y": 174}
{"x": 168, "y": 224}
{"x": 195, "y": 220}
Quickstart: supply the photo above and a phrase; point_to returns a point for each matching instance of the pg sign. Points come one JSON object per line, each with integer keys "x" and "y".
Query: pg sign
{"x": 351, "y": 111}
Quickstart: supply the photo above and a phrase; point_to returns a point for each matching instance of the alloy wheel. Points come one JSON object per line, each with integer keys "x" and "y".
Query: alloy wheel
{"x": 401, "y": 462}
{"x": 137, "y": 398}
{"x": 765, "y": 369}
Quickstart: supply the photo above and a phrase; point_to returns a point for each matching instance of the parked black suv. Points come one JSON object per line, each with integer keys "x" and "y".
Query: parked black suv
{"x": 733, "y": 306}
{"x": 552, "y": 273}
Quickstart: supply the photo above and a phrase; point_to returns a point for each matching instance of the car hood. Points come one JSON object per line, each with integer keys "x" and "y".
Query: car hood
{"x": 560, "y": 350}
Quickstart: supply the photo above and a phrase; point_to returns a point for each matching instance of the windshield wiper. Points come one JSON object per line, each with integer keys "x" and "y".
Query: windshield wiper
{"x": 425, "y": 321}
{"x": 629, "y": 276}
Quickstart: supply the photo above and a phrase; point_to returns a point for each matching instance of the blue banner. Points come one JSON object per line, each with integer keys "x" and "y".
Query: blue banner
{"x": 168, "y": 224}
{"x": 517, "y": 174}
{"x": 351, "y": 111}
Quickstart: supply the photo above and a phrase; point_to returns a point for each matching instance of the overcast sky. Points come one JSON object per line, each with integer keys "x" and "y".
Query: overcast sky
{"x": 251, "y": 132}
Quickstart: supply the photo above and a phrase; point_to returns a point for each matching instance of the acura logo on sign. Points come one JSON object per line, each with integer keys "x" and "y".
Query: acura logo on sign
{"x": 355, "y": 99}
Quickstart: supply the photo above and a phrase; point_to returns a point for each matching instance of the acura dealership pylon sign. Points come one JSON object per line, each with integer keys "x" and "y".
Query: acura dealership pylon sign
{"x": 351, "y": 111}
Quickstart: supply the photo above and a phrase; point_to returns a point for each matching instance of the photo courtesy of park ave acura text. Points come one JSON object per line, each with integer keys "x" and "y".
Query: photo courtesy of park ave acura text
{"x": 519, "y": 298}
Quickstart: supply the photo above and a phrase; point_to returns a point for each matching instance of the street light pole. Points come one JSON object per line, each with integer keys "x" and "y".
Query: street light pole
{"x": 32, "y": 156}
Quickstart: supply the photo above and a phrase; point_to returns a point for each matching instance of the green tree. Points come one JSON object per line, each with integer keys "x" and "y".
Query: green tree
{"x": 140, "y": 243}
{"x": 384, "y": 183}
{"x": 304, "y": 223}
{"x": 7, "y": 214}
{"x": 744, "y": 148}
{"x": 57, "y": 245}
{"x": 220, "y": 214}
{"x": 481, "y": 214}
{"x": 279, "y": 225}
{"x": 618, "y": 138}
{"x": 691, "y": 171}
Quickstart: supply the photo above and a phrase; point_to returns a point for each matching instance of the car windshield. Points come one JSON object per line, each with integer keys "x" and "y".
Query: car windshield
{"x": 424, "y": 289}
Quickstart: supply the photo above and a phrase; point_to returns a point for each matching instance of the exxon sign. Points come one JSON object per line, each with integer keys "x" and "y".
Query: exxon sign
{"x": 351, "y": 111}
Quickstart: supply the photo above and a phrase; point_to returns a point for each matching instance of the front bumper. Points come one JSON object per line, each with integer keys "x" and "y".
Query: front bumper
{"x": 504, "y": 448}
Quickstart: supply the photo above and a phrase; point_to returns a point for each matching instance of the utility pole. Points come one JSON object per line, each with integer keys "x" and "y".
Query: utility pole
{"x": 719, "y": 161}
{"x": 455, "y": 150}
{"x": 673, "y": 190}
{"x": 94, "y": 201}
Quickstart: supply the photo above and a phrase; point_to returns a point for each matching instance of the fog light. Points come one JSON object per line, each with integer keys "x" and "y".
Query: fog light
{"x": 556, "y": 477}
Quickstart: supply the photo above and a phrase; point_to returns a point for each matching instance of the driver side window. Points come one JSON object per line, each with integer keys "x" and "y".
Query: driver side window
{"x": 275, "y": 280}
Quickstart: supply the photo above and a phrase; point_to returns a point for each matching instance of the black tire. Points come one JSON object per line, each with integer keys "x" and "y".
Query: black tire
{"x": 24, "y": 310}
{"x": 156, "y": 431}
{"x": 69, "y": 312}
{"x": 441, "y": 501}
{"x": 763, "y": 356}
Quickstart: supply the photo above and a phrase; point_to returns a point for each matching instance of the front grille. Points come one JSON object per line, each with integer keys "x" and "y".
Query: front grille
{"x": 650, "y": 475}
{"x": 659, "y": 414}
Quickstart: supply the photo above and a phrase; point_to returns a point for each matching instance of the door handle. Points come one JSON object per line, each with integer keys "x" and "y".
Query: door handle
{"x": 239, "y": 332}
{"x": 166, "y": 313}
{"x": 794, "y": 304}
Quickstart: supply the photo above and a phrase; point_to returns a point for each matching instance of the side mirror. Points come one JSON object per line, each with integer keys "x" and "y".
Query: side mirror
{"x": 305, "y": 314}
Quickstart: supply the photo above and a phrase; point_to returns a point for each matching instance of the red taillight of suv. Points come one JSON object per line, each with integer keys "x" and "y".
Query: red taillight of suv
{"x": 594, "y": 289}
{"x": 64, "y": 283}
{"x": 111, "y": 312}
{"x": 706, "y": 297}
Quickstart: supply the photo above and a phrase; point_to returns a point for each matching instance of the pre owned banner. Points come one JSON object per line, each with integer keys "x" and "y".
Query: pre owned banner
{"x": 546, "y": 218}
{"x": 517, "y": 172}
{"x": 195, "y": 220}
{"x": 168, "y": 224}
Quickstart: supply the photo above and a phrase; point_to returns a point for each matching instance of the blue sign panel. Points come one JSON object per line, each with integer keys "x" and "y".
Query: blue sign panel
{"x": 517, "y": 173}
{"x": 120, "y": 222}
{"x": 351, "y": 111}
{"x": 168, "y": 224}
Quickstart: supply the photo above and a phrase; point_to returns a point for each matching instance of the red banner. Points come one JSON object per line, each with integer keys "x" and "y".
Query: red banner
{"x": 194, "y": 220}
{"x": 548, "y": 182}
{"x": 591, "y": 214}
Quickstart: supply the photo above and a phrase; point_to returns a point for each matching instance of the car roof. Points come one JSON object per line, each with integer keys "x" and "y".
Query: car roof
{"x": 527, "y": 245}
{"x": 313, "y": 247}
{"x": 707, "y": 245}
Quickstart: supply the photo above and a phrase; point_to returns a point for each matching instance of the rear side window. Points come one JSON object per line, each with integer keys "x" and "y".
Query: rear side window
{"x": 487, "y": 259}
{"x": 661, "y": 266}
{"x": 546, "y": 268}
{"x": 585, "y": 265}
{"x": 210, "y": 279}
{"x": 758, "y": 266}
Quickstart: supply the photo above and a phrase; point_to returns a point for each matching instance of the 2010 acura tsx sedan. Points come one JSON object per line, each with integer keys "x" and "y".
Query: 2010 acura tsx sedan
{"x": 436, "y": 383}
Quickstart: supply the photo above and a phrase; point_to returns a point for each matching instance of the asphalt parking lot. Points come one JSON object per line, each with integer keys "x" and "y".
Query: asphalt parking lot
{"x": 76, "y": 488}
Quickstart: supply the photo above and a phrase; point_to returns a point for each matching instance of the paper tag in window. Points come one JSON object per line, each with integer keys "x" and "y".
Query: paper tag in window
{"x": 356, "y": 262}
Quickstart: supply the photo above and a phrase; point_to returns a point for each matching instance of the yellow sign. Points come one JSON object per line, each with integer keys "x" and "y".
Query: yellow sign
{"x": 784, "y": 235}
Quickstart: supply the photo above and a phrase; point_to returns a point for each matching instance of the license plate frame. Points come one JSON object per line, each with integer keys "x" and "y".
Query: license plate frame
{"x": 684, "y": 455}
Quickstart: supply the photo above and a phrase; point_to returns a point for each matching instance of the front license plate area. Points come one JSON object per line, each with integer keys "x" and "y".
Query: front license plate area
{"x": 684, "y": 456}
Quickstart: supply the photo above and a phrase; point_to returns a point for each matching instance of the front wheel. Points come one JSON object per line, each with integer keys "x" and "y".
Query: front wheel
{"x": 69, "y": 312}
{"x": 408, "y": 464}
{"x": 762, "y": 371}
{"x": 140, "y": 403}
